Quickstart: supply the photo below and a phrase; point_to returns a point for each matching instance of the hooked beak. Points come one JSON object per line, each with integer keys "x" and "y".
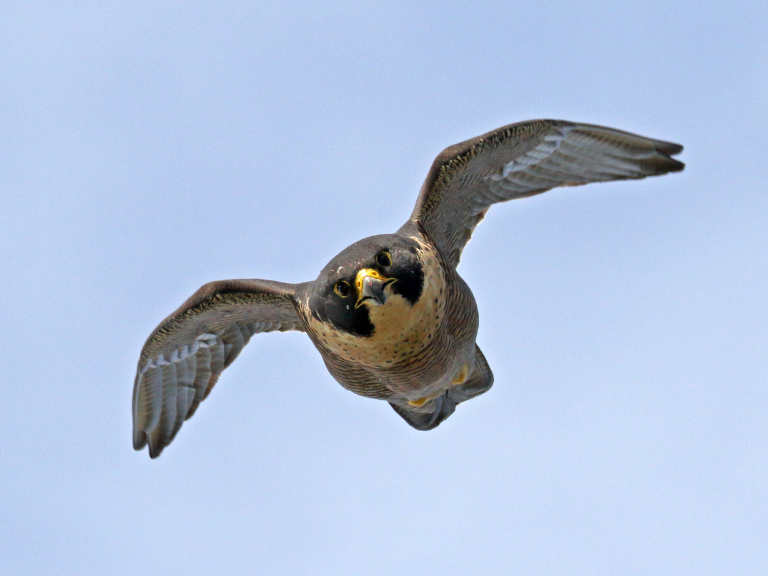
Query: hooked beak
{"x": 370, "y": 287}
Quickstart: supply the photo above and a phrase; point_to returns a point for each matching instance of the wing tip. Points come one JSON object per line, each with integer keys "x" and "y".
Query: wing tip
{"x": 676, "y": 165}
{"x": 139, "y": 440}
{"x": 666, "y": 150}
{"x": 155, "y": 448}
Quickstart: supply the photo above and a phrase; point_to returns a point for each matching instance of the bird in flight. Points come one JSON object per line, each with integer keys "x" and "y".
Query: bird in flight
{"x": 390, "y": 315}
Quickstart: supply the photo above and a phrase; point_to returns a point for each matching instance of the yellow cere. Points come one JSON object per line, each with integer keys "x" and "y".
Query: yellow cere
{"x": 361, "y": 276}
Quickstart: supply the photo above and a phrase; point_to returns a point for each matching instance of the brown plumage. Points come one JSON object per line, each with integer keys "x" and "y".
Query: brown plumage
{"x": 390, "y": 315}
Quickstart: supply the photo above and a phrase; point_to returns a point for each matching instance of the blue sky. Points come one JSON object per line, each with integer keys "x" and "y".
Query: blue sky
{"x": 150, "y": 147}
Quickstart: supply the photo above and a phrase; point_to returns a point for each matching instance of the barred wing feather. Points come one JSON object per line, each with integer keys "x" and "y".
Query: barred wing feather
{"x": 524, "y": 159}
{"x": 185, "y": 355}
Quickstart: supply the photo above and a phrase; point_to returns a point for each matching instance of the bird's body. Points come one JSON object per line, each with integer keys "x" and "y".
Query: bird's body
{"x": 390, "y": 315}
{"x": 417, "y": 349}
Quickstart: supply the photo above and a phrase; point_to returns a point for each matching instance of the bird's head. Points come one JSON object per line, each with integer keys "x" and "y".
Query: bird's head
{"x": 370, "y": 273}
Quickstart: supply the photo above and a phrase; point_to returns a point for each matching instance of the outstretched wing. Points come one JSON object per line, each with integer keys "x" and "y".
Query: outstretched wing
{"x": 524, "y": 159}
{"x": 184, "y": 356}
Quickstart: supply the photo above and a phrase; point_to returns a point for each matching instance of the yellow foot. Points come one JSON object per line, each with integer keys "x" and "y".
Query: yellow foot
{"x": 419, "y": 402}
{"x": 461, "y": 377}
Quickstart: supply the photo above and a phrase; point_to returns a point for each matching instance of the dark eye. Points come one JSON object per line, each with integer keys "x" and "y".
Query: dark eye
{"x": 383, "y": 259}
{"x": 342, "y": 289}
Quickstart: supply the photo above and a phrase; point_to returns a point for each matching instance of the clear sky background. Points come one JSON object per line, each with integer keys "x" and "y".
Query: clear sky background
{"x": 149, "y": 147}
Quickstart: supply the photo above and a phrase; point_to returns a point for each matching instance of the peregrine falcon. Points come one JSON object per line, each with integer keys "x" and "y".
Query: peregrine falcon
{"x": 390, "y": 314}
